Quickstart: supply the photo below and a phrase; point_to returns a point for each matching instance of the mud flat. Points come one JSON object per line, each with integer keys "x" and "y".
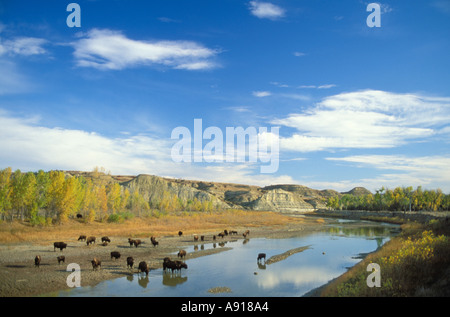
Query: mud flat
{"x": 19, "y": 277}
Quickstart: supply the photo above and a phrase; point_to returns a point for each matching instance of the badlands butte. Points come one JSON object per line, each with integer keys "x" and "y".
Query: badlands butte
{"x": 278, "y": 198}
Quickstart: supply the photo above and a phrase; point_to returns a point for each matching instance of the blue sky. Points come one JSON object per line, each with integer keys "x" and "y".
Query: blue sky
{"x": 355, "y": 106}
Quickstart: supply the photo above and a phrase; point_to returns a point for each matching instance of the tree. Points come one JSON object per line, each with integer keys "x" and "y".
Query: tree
{"x": 114, "y": 197}
{"x": 5, "y": 191}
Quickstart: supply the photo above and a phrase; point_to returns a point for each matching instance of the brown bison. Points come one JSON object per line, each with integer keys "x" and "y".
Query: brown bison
{"x": 96, "y": 263}
{"x": 143, "y": 267}
{"x": 90, "y": 240}
{"x": 59, "y": 245}
{"x": 130, "y": 241}
{"x": 173, "y": 265}
{"x": 106, "y": 239}
{"x": 37, "y": 260}
{"x": 61, "y": 258}
{"x": 137, "y": 242}
{"x": 180, "y": 233}
{"x": 195, "y": 237}
{"x": 115, "y": 255}
{"x": 181, "y": 254}
{"x": 261, "y": 256}
{"x": 82, "y": 238}
{"x": 130, "y": 262}
{"x": 154, "y": 242}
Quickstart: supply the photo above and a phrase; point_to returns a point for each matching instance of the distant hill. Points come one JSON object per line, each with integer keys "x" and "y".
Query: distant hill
{"x": 358, "y": 191}
{"x": 281, "y": 198}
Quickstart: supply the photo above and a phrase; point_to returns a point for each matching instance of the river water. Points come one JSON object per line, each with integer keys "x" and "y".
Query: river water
{"x": 331, "y": 253}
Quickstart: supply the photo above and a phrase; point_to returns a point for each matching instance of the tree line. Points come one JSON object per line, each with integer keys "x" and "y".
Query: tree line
{"x": 398, "y": 199}
{"x": 54, "y": 196}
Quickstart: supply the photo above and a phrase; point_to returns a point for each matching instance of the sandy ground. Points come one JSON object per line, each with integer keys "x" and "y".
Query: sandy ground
{"x": 20, "y": 277}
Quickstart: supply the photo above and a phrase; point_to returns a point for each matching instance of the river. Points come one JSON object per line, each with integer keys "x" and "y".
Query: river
{"x": 236, "y": 271}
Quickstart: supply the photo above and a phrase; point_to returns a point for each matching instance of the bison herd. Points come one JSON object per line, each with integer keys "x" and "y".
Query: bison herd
{"x": 143, "y": 267}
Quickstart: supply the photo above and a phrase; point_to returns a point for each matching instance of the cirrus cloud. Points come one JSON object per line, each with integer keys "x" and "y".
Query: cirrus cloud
{"x": 366, "y": 119}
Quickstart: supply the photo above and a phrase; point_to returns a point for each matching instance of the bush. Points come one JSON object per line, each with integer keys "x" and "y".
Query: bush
{"x": 120, "y": 217}
{"x": 115, "y": 218}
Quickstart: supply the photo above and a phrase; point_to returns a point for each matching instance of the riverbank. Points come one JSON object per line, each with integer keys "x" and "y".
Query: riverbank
{"x": 19, "y": 276}
{"x": 414, "y": 264}
{"x": 397, "y": 217}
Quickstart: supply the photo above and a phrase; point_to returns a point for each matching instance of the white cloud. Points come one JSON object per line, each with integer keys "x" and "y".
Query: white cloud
{"x": 25, "y": 46}
{"x": 29, "y": 146}
{"x": 266, "y": 10}
{"x": 402, "y": 170}
{"x": 106, "y": 49}
{"x": 261, "y": 94}
{"x": 12, "y": 81}
{"x": 327, "y": 86}
{"x": 299, "y": 54}
{"x": 365, "y": 119}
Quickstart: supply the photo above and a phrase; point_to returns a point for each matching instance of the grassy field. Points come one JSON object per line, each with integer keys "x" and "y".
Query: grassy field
{"x": 416, "y": 263}
{"x": 169, "y": 224}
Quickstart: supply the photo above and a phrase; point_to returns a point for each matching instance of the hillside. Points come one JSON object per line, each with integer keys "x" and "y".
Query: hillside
{"x": 280, "y": 198}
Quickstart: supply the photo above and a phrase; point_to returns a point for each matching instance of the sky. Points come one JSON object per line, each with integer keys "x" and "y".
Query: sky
{"x": 345, "y": 104}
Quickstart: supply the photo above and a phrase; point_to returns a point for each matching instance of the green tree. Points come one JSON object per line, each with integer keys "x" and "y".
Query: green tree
{"x": 5, "y": 192}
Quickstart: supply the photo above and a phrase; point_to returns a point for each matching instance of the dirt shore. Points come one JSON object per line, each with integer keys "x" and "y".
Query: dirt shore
{"x": 20, "y": 277}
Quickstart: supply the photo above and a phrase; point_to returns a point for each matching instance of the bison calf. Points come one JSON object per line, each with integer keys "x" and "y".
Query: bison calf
{"x": 61, "y": 258}
{"x": 181, "y": 254}
{"x": 96, "y": 263}
{"x": 37, "y": 260}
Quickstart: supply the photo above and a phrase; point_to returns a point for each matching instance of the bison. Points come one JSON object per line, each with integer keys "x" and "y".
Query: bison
{"x": 96, "y": 263}
{"x": 137, "y": 242}
{"x": 82, "y": 238}
{"x": 61, "y": 258}
{"x": 115, "y": 255}
{"x": 90, "y": 240}
{"x": 130, "y": 262}
{"x": 130, "y": 241}
{"x": 154, "y": 242}
{"x": 173, "y": 265}
{"x": 79, "y": 216}
{"x": 261, "y": 256}
{"x": 143, "y": 267}
{"x": 59, "y": 245}
{"x": 37, "y": 260}
{"x": 195, "y": 237}
{"x": 180, "y": 233}
{"x": 181, "y": 254}
{"x": 106, "y": 239}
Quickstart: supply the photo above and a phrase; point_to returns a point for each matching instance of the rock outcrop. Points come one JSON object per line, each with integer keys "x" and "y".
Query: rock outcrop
{"x": 280, "y": 198}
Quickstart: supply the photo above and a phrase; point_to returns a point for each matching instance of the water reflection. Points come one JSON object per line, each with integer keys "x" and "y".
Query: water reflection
{"x": 332, "y": 252}
{"x": 175, "y": 279}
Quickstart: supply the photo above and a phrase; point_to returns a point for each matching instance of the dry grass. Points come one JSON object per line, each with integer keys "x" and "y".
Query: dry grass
{"x": 414, "y": 264}
{"x": 189, "y": 223}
